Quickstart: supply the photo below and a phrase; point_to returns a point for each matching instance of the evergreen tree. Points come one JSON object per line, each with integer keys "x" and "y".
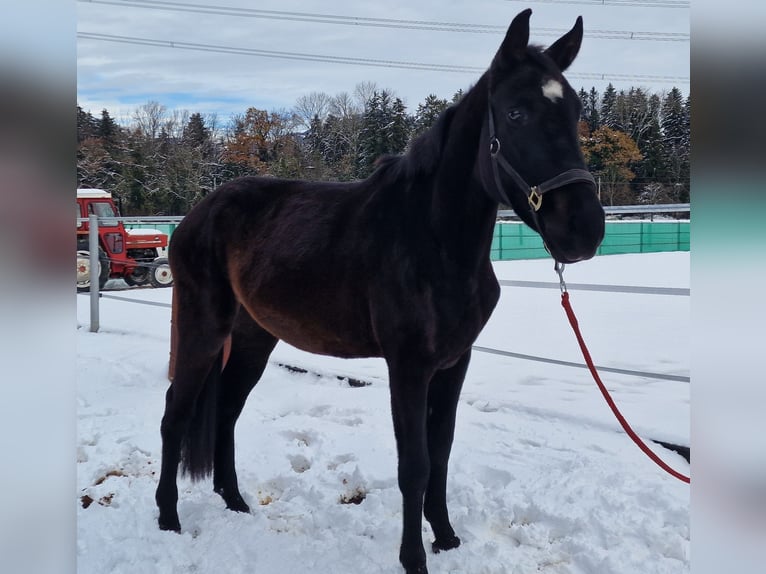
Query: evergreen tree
{"x": 675, "y": 132}
{"x": 651, "y": 170}
{"x": 399, "y": 128}
{"x": 634, "y": 113}
{"x": 108, "y": 130}
{"x": 196, "y": 134}
{"x": 590, "y": 108}
{"x": 385, "y": 130}
{"x": 87, "y": 125}
{"x": 609, "y": 107}
{"x": 594, "y": 114}
{"x": 372, "y": 137}
{"x": 427, "y": 113}
{"x": 583, "y": 95}
{"x": 98, "y": 152}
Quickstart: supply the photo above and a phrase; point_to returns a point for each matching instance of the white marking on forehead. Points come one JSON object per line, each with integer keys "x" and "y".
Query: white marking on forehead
{"x": 553, "y": 90}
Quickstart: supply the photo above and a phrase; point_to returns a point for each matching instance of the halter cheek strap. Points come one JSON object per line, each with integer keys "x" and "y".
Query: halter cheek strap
{"x": 534, "y": 193}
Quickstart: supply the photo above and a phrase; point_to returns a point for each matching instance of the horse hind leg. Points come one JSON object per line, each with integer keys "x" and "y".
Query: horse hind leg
{"x": 251, "y": 346}
{"x": 188, "y": 422}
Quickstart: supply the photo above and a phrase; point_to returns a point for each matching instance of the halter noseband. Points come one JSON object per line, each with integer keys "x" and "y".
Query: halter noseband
{"x": 534, "y": 193}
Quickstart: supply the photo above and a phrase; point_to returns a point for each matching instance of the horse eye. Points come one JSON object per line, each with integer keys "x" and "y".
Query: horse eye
{"x": 515, "y": 115}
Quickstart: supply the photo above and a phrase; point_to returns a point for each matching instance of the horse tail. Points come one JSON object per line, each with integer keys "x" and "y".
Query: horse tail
{"x": 198, "y": 444}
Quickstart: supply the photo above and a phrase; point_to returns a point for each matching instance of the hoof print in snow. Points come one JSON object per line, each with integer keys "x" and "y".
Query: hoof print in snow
{"x": 101, "y": 479}
{"x": 301, "y": 438}
{"x": 264, "y": 499}
{"x": 86, "y": 500}
{"x": 355, "y": 497}
{"x": 354, "y": 383}
{"x": 300, "y": 463}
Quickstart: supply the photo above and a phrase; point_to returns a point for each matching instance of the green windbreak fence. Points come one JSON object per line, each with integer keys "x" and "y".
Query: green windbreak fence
{"x": 166, "y": 228}
{"x": 515, "y": 240}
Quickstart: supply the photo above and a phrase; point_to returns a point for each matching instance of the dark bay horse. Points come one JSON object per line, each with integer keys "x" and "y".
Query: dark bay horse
{"x": 395, "y": 266}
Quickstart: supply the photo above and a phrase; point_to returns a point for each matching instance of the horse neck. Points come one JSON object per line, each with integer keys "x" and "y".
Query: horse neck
{"x": 461, "y": 211}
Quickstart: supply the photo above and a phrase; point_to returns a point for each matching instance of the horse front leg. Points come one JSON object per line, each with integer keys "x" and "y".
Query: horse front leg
{"x": 409, "y": 392}
{"x": 443, "y": 395}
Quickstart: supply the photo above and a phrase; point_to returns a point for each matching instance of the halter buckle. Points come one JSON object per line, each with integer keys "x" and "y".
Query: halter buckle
{"x": 535, "y": 198}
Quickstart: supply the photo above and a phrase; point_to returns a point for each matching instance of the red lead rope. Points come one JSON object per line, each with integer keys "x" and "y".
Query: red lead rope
{"x": 605, "y": 392}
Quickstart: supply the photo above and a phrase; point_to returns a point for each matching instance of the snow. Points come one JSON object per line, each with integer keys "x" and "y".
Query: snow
{"x": 542, "y": 479}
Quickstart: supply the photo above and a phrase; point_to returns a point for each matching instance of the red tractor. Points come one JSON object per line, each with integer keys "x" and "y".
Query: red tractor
{"x": 132, "y": 255}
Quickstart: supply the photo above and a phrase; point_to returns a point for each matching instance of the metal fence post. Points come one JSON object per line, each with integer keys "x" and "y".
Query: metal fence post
{"x": 94, "y": 274}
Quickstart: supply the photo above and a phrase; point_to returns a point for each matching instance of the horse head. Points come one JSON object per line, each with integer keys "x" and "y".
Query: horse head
{"x": 530, "y": 153}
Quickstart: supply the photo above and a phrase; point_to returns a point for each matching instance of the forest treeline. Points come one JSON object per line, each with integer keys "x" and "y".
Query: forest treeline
{"x": 161, "y": 162}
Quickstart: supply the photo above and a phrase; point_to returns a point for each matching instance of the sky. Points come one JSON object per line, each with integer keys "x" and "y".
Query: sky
{"x": 120, "y": 76}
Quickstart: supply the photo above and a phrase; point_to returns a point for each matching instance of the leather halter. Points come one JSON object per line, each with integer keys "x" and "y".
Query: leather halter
{"x": 534, "y": 193}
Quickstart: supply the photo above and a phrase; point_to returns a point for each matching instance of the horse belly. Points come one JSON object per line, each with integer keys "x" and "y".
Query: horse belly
{"x": 321, "y": 329}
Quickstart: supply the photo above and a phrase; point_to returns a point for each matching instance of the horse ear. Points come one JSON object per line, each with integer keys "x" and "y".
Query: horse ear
{"x": 564, "y": 50}
{"x": 514, "y": 46}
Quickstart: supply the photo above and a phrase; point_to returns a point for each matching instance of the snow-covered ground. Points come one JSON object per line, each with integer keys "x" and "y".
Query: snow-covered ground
{"x": 542, "y": 479}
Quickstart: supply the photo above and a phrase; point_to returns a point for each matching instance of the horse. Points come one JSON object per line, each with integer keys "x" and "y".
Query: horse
{"x": 395, "y": 266}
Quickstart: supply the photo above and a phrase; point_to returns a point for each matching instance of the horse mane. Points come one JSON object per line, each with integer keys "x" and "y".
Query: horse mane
{"x": 422, "y": 158}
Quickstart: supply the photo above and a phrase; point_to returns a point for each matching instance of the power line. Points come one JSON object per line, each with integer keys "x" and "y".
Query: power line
{"x": 346, "y": 59}
{"x": 434, "y": 26}
{"x": 641, "y": 3}
{"x": 280, "y": 54}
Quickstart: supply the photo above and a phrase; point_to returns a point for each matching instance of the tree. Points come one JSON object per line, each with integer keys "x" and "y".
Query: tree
{"x": 608, "y": 107}
{"x": 315, "y": 104}
{"x": 610, "y": 155}
{"x": 196, "y": 134}
{"x": 594, "y": 119}
{"x": 676, "y": 131}
{"x": 385, "y": 130}
{"x": 400, "y": 128}
{"x": 427, "y": 113}
{"x": 634, "y": 115}
{"x": 344, "y": 106}
{"x": 108, "y": 131}
{"x": 364, "y": 91}
{"x": 258, "y": 142}
{"x": 87, "y": 125}
{"x": 372, "y": 142}
{"x": 149, "y": 118}
{"x": 651, "y": 170}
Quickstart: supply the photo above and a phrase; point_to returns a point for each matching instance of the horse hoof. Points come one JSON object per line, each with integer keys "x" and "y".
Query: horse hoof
{"x": 170, "y": 525}
{"x": 239, "y": 506}
{"x": 417, "y": 570}
{"x": 445, "y": 544}
{"x": 233, "y": 502}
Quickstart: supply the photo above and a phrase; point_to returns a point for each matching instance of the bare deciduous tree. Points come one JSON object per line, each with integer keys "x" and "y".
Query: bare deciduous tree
{"x": 315, "y": 104}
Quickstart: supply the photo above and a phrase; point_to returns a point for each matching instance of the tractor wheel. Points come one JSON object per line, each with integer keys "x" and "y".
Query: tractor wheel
{"x": 83, "y": 269}
{"x": 139, "y": 276}
{"x": 160, "y": 275}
